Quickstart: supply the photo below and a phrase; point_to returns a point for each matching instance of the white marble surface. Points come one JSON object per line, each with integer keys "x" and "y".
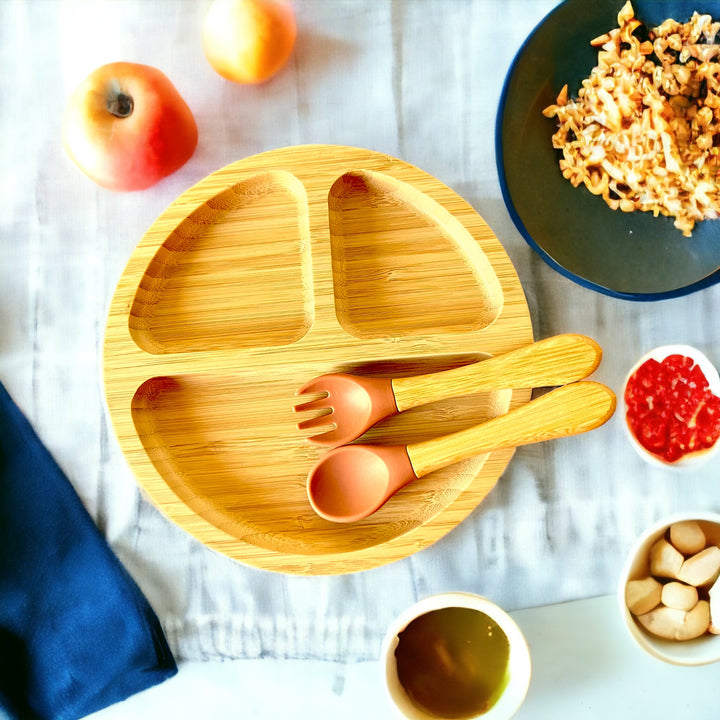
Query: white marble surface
{"x": 418, "y": 79}
{"x": 585, "y": 667}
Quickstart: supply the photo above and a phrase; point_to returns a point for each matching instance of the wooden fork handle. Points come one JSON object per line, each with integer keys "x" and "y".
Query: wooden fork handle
{"x": 553, "y": 361}
{"x": 568, "y": 410}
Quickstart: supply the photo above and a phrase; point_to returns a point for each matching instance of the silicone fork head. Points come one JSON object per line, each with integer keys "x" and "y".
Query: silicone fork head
{"x": 352, "y": 405}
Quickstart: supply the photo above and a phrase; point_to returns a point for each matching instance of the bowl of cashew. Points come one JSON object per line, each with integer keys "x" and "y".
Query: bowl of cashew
{"x": 669, "y": 592}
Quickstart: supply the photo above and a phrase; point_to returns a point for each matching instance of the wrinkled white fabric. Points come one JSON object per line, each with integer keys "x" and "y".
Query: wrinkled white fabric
{"x": 417, "y": 79}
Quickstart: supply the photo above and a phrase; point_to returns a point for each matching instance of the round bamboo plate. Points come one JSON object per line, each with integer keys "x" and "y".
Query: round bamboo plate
{"x": 267, "y": 273}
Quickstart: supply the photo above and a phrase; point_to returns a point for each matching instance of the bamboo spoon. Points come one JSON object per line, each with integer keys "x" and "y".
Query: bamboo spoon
{"x": 356, "y": 403}
{"x": 351, "y": 482}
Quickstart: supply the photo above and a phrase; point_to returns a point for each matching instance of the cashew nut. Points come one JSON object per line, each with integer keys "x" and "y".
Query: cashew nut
{"x": 679, "y": 596}
{"x": 665, "y": 560}
{"x": 641, "y": 596}
{"x": 687, "y": 537}
{"x": 674, "y": 624}
{"x": 702, "y": 568}
{"x": 714, "y": 594}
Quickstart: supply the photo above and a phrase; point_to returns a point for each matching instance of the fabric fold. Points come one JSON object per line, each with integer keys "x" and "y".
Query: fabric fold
{"x": 76, "y": 632}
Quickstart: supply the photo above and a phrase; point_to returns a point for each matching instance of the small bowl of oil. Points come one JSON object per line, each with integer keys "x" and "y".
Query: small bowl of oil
{"x": 456, "y": 655}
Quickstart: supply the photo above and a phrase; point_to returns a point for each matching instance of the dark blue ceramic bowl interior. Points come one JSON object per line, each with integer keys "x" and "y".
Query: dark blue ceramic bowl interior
{"x": 629, "y": 255}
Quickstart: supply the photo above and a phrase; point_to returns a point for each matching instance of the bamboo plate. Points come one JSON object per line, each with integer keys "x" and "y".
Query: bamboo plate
{"x": 273, "y": 270}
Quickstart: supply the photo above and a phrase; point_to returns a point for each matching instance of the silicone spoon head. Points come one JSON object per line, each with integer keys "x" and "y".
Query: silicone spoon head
{"x": 351, "y": 482}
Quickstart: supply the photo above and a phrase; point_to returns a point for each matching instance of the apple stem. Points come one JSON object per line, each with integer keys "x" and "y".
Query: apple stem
{"x": 120, "y": 105}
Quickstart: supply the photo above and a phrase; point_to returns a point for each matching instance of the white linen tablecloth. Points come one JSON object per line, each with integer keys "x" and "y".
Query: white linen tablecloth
{"x": 419, "y": 80}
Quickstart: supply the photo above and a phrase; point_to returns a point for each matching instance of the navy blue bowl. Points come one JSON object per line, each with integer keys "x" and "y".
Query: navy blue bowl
{"x": 629, "y": 255}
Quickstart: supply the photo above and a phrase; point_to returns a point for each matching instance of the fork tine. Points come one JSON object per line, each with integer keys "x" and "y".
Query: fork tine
{"x": 328, "y": 439}
{"x": 318, "y": 385}
{"x": 317, "y": 404}
{"x": 317, "y": 422}
{"x": 315, "y": 385}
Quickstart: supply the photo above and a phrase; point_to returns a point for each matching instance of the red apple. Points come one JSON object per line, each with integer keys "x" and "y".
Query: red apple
{"x": 127, "y": 127}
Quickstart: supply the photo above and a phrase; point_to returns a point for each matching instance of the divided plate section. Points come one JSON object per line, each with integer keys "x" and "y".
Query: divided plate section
{"x": 402, "y": 264}
{"x": 215, "y": 441}
{"x": 235, "y": 273}
{"x": 272, "y": 271}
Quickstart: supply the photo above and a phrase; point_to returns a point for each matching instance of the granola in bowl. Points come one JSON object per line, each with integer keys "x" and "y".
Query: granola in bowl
{"x": 644, "y": 130}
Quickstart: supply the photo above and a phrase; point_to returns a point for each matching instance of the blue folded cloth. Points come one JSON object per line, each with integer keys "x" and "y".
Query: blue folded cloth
{"x": 76, "y": 633}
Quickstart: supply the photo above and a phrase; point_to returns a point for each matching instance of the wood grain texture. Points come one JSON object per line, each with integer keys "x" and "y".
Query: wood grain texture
{"x": 278, "y": 268}
{"x": 569, "y": 410}
{"x": 549, "y": 362}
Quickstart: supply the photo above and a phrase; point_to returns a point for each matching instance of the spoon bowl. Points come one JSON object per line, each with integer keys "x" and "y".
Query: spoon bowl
{"x": 352, "y": 482}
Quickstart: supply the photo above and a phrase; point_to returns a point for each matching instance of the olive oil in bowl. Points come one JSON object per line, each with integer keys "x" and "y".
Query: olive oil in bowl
{"x": 453, "y": 662}
{"x": 456, "y": 655}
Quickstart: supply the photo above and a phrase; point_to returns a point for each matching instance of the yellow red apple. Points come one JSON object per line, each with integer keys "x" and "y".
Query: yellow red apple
{"x": 127, "y": 127}
{"x": 249, "y": 41}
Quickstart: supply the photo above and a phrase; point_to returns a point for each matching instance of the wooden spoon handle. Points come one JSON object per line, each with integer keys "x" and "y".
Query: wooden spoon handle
{"x": 554, "y": 361}
{"x": 568, "y": 410}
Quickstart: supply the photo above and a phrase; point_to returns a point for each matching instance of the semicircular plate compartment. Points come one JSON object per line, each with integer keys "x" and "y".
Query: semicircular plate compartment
{"x": 249, "y": 480}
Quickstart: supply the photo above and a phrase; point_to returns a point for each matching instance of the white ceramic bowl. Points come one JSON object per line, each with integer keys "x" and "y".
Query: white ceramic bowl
{"x": 700, "y": 651}
{"x": 519, "y": 663}
{"x": 710, "y": 372}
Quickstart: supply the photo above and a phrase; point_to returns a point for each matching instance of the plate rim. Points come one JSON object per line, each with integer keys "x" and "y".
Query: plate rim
{"x": 167, "y": 501}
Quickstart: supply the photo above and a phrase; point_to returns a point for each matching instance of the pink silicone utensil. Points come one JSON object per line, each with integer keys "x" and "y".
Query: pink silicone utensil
{"x": 351, "y": 482}
{"x": 357, "y": 403}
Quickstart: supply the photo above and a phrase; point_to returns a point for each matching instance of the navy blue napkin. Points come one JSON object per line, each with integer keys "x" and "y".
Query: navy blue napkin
{"x": 76, "y": 633}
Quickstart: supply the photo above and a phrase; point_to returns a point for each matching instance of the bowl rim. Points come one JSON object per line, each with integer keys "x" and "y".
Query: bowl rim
{"x": 708, "y": 280}
{"x": 520, "y": 661}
